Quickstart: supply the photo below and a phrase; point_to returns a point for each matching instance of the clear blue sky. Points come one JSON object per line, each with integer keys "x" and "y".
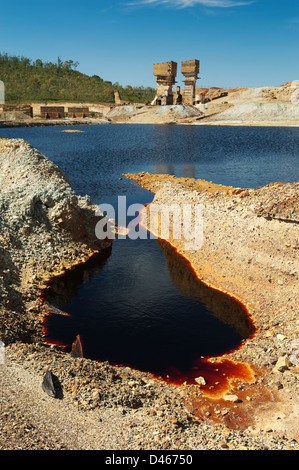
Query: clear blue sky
{"x": 238, "y": 42}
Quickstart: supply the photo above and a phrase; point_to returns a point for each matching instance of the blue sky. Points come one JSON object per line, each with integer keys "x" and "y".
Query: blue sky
{"x": 238, "y": 42}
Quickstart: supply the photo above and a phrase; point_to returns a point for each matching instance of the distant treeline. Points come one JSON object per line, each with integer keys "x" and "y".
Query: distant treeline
{"x": 33, "y": 81}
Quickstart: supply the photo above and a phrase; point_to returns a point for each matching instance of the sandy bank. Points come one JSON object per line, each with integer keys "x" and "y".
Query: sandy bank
{"x": 12, "y": 122}
{"x": 250, "y": 251}
{"x": 263, "y": 106}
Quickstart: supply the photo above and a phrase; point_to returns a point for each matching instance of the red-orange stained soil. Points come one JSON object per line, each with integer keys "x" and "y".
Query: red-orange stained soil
{"x": 218, "y": 375}
{"x": 252, "y": 397}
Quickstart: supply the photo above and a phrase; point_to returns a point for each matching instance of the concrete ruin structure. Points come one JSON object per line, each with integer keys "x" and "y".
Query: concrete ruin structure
{"x": 166, "y": 75}
{"x": 190, "y": 70}
{"x": 52, "y": 112}
{"x": 25, "y": 109}
{"x": 166, "y": 78}
{"x": 2, "y": 93}
{"x": 118, "y": 100}
{"x": 78, "y": 113}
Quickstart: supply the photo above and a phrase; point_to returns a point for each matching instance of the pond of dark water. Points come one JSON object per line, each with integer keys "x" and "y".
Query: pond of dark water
{"x": 141, "y": 304}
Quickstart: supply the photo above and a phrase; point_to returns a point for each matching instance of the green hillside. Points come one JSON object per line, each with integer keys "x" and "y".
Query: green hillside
{"x": 37, "y": 81}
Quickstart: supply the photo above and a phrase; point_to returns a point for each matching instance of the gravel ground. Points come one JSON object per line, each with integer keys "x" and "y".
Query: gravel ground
{"x": 98, "y": 406}
{"x": 112, "y": 410}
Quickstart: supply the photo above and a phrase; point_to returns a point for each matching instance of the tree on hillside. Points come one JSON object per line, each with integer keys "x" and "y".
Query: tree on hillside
{"x": 28, "y": 81}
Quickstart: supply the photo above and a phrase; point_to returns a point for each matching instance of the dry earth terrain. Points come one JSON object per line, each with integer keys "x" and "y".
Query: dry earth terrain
{"x": 261, "y": 106}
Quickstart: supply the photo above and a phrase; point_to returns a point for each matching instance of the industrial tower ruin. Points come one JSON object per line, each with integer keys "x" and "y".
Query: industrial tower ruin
{"x": 190, "y": 70}
{"x": 166, "y": 74}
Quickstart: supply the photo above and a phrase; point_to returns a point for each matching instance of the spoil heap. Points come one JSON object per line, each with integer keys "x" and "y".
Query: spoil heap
{"x": 45, "y": 228}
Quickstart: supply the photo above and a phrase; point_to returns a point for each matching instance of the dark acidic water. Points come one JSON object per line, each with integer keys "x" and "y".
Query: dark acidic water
{"x": 140, "y": 308}
{"x": 142, "y": 305}
{"x": 95, "y": 159}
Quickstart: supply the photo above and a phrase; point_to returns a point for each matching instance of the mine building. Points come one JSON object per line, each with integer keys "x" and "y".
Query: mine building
{"x": 80, "y": 113}
{"x": 21, "y": 108}
{"x": 52, "y": 112}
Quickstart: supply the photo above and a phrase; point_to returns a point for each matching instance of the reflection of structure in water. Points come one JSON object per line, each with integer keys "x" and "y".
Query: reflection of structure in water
{"x": 164, "y": 169}
{"x": 166, "y": 75}
{"x": 189, "y": 170}
{"x": 223, "y": 306}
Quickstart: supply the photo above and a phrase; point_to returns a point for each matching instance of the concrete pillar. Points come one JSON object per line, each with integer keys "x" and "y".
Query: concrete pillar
{"x": 166, "y": 74}
{"x": 117, "y": 97}
{"x": 2, "y": 93}
{"x": 190, "y": 70}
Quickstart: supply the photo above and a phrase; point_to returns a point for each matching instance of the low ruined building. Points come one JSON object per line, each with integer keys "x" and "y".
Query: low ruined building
{"x": 190, "y": 70}
{"x": 2, "y": 93}
{"x": 20, "y": 108}
{"x": 80, "y": 113}
{"x": 52, "y": 112}
{"x": 166, "y": 75}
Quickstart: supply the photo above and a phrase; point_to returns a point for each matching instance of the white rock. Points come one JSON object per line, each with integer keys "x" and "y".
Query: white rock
{"x": 233, "y": 398}
{"x": 200, "y": 381}
{"x": 280, "y": 337}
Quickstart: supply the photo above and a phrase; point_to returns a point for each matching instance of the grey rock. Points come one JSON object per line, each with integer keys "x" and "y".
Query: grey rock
{"x": 48, "y": 384}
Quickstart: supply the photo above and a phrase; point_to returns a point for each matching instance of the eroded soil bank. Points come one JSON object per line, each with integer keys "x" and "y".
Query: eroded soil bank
{"x": 250, "y": 251}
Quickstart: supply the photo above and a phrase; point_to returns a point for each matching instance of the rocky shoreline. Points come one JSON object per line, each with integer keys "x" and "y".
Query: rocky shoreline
{"x": 52, "y": 122}
{"x": 46, "y": 229}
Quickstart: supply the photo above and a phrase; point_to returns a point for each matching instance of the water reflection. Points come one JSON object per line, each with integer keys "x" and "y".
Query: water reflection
{"x": 189, "y": 170}
{"x": 186, "y": 170}
{"x": 164, "y": 169}
{"x": 227, "y": 309}
{"x": 95, "y": 159}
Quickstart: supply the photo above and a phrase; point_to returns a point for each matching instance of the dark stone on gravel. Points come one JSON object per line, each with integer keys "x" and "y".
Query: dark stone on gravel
{"x": 48, "y": 384}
